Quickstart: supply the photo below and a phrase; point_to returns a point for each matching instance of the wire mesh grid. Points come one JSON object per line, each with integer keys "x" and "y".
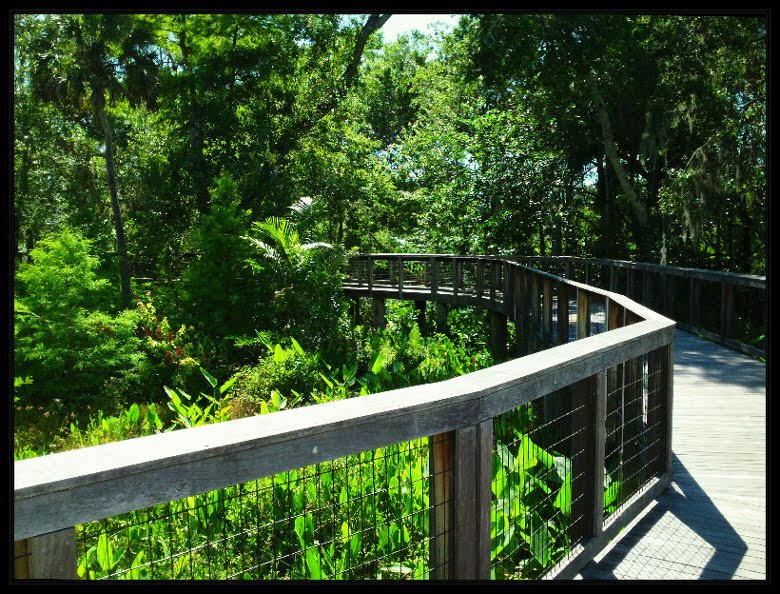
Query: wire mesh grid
{"x": 385, "y": 272}
{"x": 468, "y": 277}
{"x": 635, "y": 426}
{"x": 416, "y": 273}
{"x": 539, "y": 477}
{"x": 356, "y": 271}
{"x": 366, "y": 516}
{"x": 446, "y": 273}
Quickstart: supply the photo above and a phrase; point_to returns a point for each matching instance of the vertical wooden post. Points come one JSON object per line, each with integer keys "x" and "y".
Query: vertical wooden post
{"x": 442, "y": 547}
{"x": 493, "y": 282}
{"x": 441, "y": 317}
{"x": 587, "y": 462}
{"x": 534, "y": 327}
{"x": 50, "y": 556}
{"x": 480, "y": 278}
{"x": 434, "y": 266}
{"x": 567, "y": 269}
{"x": 695, "y": 304}
{"x": 563, "y": 313}
{"x": 498, "y": 334}
{"x": 629, "y": 282}
{"x": 380, "y": 320}
{"x": 598, "y": 444}
{"x": 583, "y": 314}
{"x": 359, "y": 266}
{"x": 547, "y": 312}
{"x": 726, "y": 309}
{"x": 645, "y": 288}
{"x": 457, "y": 274}
{"x": 612, "y": 279}
{"x": 521, "y": 328}
{"x": 506, "y": 288}
{"x": 472, "y": 471}
{"x": 669, "y": 295}
{"x": 667, "y": 369}
{"x": 587, "y": 273}
{"x": 370, "y": 263}
{"x": 400, "y": 277}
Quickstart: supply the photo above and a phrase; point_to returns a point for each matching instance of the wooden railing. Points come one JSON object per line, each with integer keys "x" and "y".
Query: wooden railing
{"x": 726, "y": 307}
{"x": 558, "y": 325}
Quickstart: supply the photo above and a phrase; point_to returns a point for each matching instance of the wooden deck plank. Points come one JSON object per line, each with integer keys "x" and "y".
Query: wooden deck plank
{"x": 711, "y": 523}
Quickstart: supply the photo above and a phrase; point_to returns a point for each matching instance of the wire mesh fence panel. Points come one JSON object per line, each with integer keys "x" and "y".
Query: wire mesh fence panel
{"x": 538, "y": 481}
{"x": 635, "y": 429}
{"x": 366, "y": 516}
{"x": 446, "y": 274}
{"x": 468, "y": 272}
{"x": 416, "y": 273}
{"x": 383, "y": 273}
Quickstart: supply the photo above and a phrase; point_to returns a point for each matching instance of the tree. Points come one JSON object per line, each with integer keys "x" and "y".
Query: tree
{"x": 65, "y": 338}
{"x": 83, "y": 61}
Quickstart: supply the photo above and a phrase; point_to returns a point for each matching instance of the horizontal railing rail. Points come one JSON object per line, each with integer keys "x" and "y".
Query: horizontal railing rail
{"x": 727, "y": 307}
{"x": 600, "y": 402}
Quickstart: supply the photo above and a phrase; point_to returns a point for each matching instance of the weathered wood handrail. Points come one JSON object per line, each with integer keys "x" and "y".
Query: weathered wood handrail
{"x": 656, "y": 292}
{"x": 58, "y": 491}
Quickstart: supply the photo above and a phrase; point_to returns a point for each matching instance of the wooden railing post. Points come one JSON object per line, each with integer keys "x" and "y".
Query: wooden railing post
{"x": 583, "y": 314}
{"x": 563, "y": 312}
{"x": 547, "y": 312}
{"x": 507, "y": 288}
{"x": 400, "y": 277}
{"x": 473, "y": 471}
{"x": 534, "y": 327}
{"x": 442, "y": 548}
{"x": 589, "y": 405}
{"x": 611, "y": 277}
{"x": 457, "y": 274}
{"x": 726, "y": 310}
{"x": 480, "y": 278}
{"x": 370, "y": 263}
{"x": 493, "y": 282}
{"x": 50, "y": 556}
{"x": 433, "y": 263}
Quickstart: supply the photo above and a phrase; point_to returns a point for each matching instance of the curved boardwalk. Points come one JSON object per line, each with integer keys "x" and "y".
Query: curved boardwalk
{"x": 711, "y": 524}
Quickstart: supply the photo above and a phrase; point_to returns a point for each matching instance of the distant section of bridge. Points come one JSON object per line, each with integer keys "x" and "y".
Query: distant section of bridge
{"x": 711, "y": 523}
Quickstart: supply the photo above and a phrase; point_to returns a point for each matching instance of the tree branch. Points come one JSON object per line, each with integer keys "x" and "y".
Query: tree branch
{"x": 291, "y": 137}
{"x": 611, "y": 149}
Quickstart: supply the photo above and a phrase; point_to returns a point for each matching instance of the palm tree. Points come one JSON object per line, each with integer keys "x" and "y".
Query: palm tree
{"x": 81, "y": 61}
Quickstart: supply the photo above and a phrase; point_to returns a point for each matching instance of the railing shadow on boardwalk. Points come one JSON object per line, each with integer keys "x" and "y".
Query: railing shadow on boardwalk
{"x": 688, "y": 503}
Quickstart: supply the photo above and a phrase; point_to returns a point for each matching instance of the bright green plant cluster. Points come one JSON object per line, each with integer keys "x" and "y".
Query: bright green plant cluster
{"x": 312, "y": 523}
{"x": 65, "y": 337}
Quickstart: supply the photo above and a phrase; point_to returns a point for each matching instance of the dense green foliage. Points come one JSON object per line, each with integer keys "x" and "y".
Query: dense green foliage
{"x": 187, "y": 187}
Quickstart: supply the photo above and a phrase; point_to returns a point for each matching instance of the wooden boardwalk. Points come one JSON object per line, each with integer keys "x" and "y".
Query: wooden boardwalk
{"x": 711, "y": 524}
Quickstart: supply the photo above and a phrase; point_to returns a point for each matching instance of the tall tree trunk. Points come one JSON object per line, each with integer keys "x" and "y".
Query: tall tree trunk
{"x": 556, "y": 232}
{"x": 610, "y": 148}
{"x": 197, "y": 166}
{"x": 605, "y": 246}
{"x": 119, "y": 226}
